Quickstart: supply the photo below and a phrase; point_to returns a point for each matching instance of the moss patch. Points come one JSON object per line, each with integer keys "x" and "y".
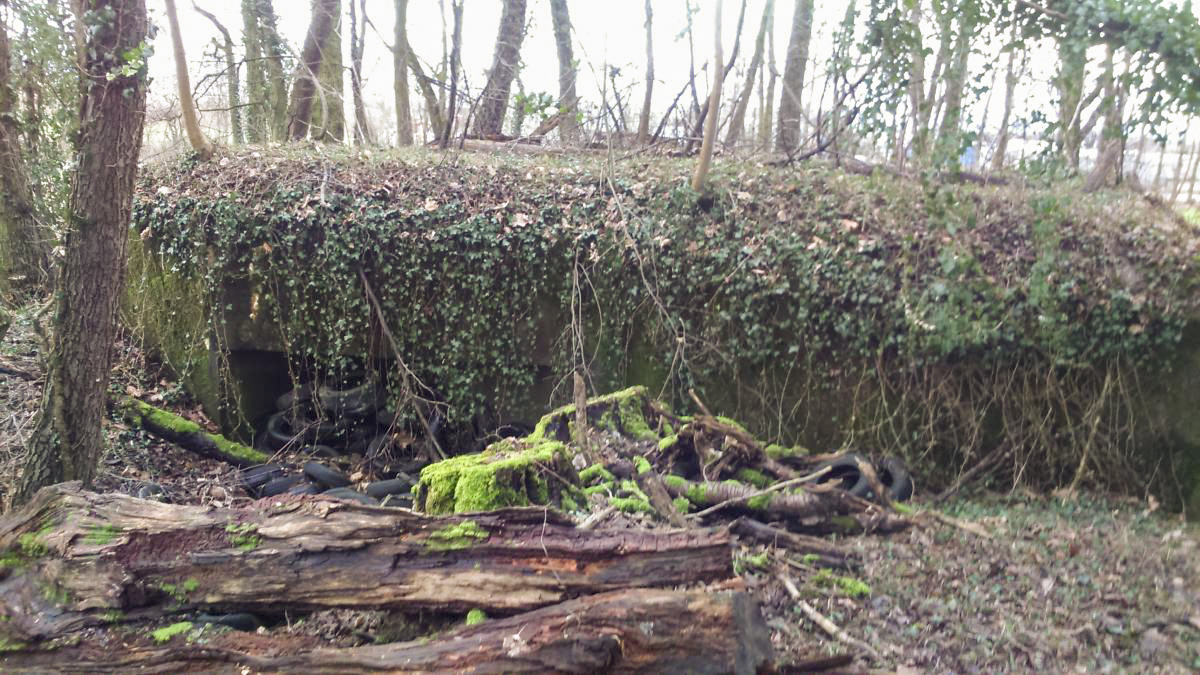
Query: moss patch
{"x": 167, "y": 632}
{"x": 455, "y": 537}
{"x": 510, "y": 472}
{"x": 475, "y": 617}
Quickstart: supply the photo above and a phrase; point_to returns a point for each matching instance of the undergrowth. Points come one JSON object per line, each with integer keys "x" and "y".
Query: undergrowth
{"x": 932, "y": 321}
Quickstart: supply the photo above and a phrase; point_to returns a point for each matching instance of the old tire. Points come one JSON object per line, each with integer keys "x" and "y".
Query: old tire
{"x": 350, "y": 495}
{"x": 845, "y": 474}
{"x": 281, "y": 485}
{"x": 325, "y": 476}
{"x": 383, "y": 488}
{"x": 896, "y": 477}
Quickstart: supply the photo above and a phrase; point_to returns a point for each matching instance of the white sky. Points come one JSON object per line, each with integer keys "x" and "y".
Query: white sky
{"x": 606, "y": 31}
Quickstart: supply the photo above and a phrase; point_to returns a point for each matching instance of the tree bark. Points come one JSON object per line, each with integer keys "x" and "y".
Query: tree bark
{"x": 714, "y": 103}
{"x": 791, "y": 111}
{"x": 400, "y": 57}
{"x": 568, "y": 102}
{"x": 1069, "y": 82}
{"x": 110, "y": 552}
{"x": 697, "y": 632}
{"x": 1010, "y": 89}
{"x": 191, "y": 123}
{"x": 24, "y": 254}
{"x": 950, "y": 129}
{"x": 66, "y": 441}
{"x": 358, "y": 37}
{"x": 643, "y": 134}
{"x": 767, "y": 116}
{"x": 734, "y": 133}
{"x": 231, "y": 78}
{"x": 455, "y": 58}
{"x": 258, "y": 95}
{"x": 328, "y": 122}
{"x": 305, "y": 82}
{"x": 489, "y": 115}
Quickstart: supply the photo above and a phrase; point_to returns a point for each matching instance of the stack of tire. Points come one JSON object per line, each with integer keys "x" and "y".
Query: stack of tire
{"x": 331, "y": 427}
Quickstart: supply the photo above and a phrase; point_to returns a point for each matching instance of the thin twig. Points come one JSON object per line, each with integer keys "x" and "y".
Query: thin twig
{"x": 826, "y": 625}
{"x": 408, "y": 375}
{"x": 774, "y": 488}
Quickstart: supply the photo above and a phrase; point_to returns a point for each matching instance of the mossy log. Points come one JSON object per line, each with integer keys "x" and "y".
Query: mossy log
{"x": 627, "y": 631}
{"x": 187, "y": 434}
{"x": 816, "y": 507}
{"x": 71, "y": 559}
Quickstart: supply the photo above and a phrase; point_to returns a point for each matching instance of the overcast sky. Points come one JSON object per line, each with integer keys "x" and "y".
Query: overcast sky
{"x": 606, "y": 31}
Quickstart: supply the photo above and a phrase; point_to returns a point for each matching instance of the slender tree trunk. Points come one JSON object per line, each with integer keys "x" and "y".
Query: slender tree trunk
{"x": 568, "y": 102}
{"x": 258, "y": 95}
{"x": 305, "y": 83}
{"x": 1069, "y": 81}
{"x": 328, "y": 122}
{"x": 433, "y": 106}
{"x": 275, "y": 52}
{"x": 493, "y": 102}
{"x": 190, "y": 122}
{"x": 714, "y": 103}
{"x": 455, "y": 55}
{"x": 791, "y": 111}
{"x": 743, "y": 100}
{"x": 1195, "y": 173}
{"x": 1156, "y": 187}
{"x": 1177, "y": 176}
{"x": 66, "y": 440}
{"x": 358, "y": 38}
{"x": 1010, "y": 90}
{"x": 232, "y": 79}
{"x": 1107, "y": 170}
{"x": 400, "y": 57}
{"x": 643, "y": 134}
{"x": 767, "y": 117}
{"x": 24, "y": 255}
{"x": 950, "y": 129}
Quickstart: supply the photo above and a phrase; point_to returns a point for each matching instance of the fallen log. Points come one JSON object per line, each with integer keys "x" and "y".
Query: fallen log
{"x": 71, "y": 559}
{"x": 627, "y": 631}
{"x": 187, "y": 434}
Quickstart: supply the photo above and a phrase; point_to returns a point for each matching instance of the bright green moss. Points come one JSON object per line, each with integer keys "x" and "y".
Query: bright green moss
{"x": 508, "y": 473}
{"x": 589, "y": 474}
{"x": 180, "y": 425}
{"x": 682, "y": 505}
{"x": 753, "y": 477}
{"x": 641, "y": 464}
{"x": 668, "y": 441}
{"x": 475, "y": 617}
{"x": 848, "y": 586}
{"x": 631, "y": 505}
{"x": 455, "y": 537}
{"x": 99, "y": 535}
{"x": 167, "y": 632}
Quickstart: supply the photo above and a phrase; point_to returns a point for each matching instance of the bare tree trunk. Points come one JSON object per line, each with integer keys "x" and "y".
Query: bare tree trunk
{"x": 266, "y": 86}
{"x": 190, "y": 122}
{"x": 66, "y": 441}
{"x": 1162, "y": 156}
{"x": 643, "y": 134}
{"x": 400, "y": 56}
{"x": 714, "y": 103}
{"x": 358, "y": 36}
{"x": 489, "y": 115}
{"x": 1069, "y": 81}
{"x": 568, "y": 101}
{"x": 767, "y": 116}
{"x": 791, "y": 111}
{"x": 455, "y": 56}
{"x": 231, "y": 79}
{"x": 433, "y": 107}
{"x": 950, "y": 128}
{"x": 305, "y": 81}
{"x": 24, "y": 255}
{"x": 1177, "y": 176}
{"x": 1010, "y": 89}
{"x": 743, "y": 100}
{"x": 1194, "y": 173}
{"x": 328, "y": 122}
{"x": 1107, "y": 170}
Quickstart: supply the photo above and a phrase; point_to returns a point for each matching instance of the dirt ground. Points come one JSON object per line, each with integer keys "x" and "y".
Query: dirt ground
{"x": 1005, "y": 583}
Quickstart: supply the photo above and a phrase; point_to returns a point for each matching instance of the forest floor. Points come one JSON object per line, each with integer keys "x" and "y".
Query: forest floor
{"x": 1024, "y": 583}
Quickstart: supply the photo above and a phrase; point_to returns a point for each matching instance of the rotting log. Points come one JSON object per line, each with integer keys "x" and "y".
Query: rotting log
{"x": 806, "y": 507}
{"x": 627, "y": 631}
{"x": 187, "y": 434}
{"x": 72, "y": 559}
